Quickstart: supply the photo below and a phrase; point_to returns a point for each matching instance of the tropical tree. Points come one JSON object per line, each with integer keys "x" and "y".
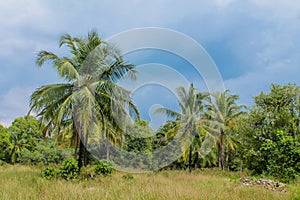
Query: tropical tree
{"x": 23, "y": 133}
{"x": 4, "y": 143}
{"x": 272, "y": 137}
{"x": 222, "y": 113}
{"x": 187, "y": 121}
{"x": 84, "y": 104}
{"x": 138, "y": 137}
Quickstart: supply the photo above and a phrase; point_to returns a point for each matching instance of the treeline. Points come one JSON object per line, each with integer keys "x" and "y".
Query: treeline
{"x": 263, "y": 138}
{"x": 88, "y": 112}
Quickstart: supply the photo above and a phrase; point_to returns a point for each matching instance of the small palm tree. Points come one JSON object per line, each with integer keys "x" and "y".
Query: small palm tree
{"x": 187, "y": 121}
{"x": 84, "y": 104}
{"x": 222, "y": 113}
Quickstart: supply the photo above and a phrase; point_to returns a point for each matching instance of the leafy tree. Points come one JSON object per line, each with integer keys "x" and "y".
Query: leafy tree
{"x": 83, "y": 103}
{"x": 4, "y": 143}
{"x": 272, "y": 135}
{"x": 24, "y": 133}
{"x": 222, "y": 113}
{"x": 138, "y": 137}
{"x": 45, "y": 152}
{"x": 187, "y": 121}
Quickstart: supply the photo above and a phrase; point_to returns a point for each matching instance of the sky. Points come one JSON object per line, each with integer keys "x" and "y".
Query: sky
{"x": 253, "y": 43}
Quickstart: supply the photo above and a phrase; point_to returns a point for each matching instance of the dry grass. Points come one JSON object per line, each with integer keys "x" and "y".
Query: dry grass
{"x": 23, "y": 182}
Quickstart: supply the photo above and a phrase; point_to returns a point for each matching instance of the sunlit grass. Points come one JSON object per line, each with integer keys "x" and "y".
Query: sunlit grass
{"x": 24, "y": 182}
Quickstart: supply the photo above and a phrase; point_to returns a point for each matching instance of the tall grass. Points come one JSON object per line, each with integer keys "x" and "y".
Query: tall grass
{"x": 24, "y": 182}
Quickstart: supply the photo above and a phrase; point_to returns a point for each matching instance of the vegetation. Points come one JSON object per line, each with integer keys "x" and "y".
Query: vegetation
{"x": 89, "y": 109}
{"x": 23, "y": 182}
{"x": 187, "y": 121}
{"x": 222, "y": 114}
{"x": 104, "y": 167}
{"x": 272, "y": 133}
{"x": 83, "y": 102}
{"x": 23, "y": 143}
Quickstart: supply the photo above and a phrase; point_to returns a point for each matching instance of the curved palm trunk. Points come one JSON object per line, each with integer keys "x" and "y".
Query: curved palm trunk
{"x": 76, "y": 140}
{"x": 221, "y": 150}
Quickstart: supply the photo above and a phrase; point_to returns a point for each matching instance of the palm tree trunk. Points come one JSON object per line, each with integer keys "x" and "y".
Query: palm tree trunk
{"x": 107, "y": 151}
{"x": 227, "y": 160}
{"x": 76, "y": 139}
{"x": 195, "y": 165}
{"x": 81, "y": 155}
{"x": 221, "y": 150}
{"x": 85, "y": 155}
{"x": 190, "y": 159}
{"x": 13, "y": 156}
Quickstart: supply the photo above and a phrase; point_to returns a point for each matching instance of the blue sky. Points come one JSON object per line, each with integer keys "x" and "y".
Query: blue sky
{"x": 254, "y": 43}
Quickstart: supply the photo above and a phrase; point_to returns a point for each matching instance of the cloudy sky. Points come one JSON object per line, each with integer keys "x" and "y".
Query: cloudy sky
{"x": 254, "y": 43}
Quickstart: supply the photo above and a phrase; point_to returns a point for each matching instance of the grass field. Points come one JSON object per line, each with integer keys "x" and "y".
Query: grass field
{"x": 24, "y": 182}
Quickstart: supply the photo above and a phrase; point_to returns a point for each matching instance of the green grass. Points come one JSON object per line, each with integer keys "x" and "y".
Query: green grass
{"x": 24, "y": 182}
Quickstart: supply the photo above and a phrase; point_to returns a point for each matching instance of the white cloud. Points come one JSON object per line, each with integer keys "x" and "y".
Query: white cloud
{"x": 252, "y": 83}
{"x": 262, "y": 35}
{"x": 14, "y": 104}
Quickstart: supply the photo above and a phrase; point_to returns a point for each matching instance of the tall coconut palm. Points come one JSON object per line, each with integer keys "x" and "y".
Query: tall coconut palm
{"x": 84, "y": 104}
{"x": 187, "y": 121}
{"x": 222, "y": 112}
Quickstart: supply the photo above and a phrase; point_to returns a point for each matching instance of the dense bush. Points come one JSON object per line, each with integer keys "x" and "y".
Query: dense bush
{"x": 44, "y": 153}
{"x": 4, "y": 144}
{"x": 50, "y": 172}
{"x": 271, "y": 136}
{"x": 128, "y": 177}
{"x": 69, "y": 169}
{"x": 104, "y": 167}
{"x": 283, "y": 156}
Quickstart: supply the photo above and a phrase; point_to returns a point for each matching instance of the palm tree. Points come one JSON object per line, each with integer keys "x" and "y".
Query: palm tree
{"x": 84, "y": 104}
{"x": 222, "y": 113}
{"x": 187, "y": 121}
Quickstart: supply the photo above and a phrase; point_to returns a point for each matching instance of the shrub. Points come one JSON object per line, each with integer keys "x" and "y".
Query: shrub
{"x": 104, "y": 167}
{"x": 87, "y": 173}
{"x": 44, "y": 153}
{"x": 128, "y": 177}
{"x": 69, "y": 169}
{"x": 50, "y": 172}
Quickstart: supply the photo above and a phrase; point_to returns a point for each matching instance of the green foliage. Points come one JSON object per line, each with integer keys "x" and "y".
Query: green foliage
{"x": 24, "y": 134}
{"x": 222, "y": 114}
{"x": 46, "y": 152}
{"x": 272, "y": 133}
{"x": 282, "y": 155}
{"x": 186, "y": 123}
{"x": 4, "y": 144}
{"x": 50, "y": 172}
{"x": 104, "y": 167}
{"x": 138, "y": 140}
{"x": 103, "y": 65}
{"x": 139, "y": 137}
{"x": 128, "y": 177}
{"x": 69, "y": 169}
